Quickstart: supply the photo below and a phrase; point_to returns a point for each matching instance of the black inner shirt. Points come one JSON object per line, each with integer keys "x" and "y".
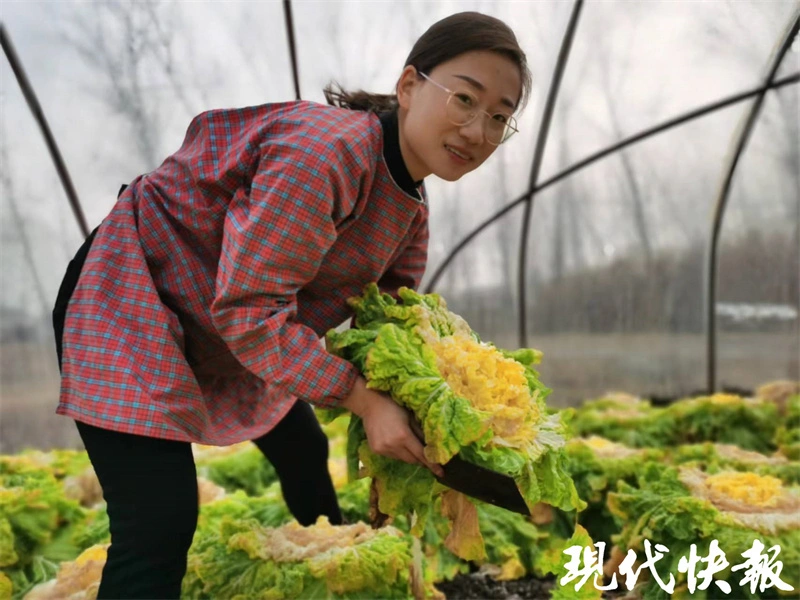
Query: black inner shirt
{"x": 393, "y": 156}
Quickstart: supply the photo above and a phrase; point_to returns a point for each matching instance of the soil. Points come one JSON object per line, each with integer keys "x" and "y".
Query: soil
{"x": 478, "y": 586}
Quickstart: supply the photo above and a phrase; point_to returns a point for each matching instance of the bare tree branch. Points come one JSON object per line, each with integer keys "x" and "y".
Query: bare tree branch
{"x": 9, "y": 193}
{"x": 129, "y": 44}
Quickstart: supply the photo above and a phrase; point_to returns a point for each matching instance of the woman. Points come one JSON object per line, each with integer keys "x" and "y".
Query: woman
{"x": 193, "y": 313}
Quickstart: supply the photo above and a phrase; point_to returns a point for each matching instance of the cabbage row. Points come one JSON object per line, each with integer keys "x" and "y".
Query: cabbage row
{"x": 709, "y": 472}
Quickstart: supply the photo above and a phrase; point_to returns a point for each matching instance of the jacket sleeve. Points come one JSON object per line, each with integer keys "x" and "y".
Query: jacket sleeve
{"x": 409, "y": 267}
{"x": 276, "y": 235}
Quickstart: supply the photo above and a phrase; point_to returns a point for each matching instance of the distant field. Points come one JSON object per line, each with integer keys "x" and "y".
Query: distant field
{"x": 579, "y": 366}
{"x": 575, "y": 366}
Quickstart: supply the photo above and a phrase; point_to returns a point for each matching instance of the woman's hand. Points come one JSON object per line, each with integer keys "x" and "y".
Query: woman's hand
{"x": 387, "y": 426}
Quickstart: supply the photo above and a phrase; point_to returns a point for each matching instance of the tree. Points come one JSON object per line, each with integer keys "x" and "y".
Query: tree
{"x": 16, "y": 229}
{"x": 129, "y": 45}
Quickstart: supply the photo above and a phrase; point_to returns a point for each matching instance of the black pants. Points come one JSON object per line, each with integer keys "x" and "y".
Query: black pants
{"x": 150, "y": 485}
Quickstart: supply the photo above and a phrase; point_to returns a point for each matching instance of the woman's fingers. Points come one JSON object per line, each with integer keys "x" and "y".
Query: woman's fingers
{"x": 406, "y": 447}
{"x": 413, "y": 452}
{"x": 417, "y": 450}
{"x": 389, "y": 432}
{"x": 414, "y": 457}
{"x": 405, "y": 455}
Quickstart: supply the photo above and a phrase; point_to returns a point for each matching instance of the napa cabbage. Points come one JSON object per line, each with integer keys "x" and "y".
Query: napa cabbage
{"x": 471, "y": 398}
{"x": 680, "y": 506}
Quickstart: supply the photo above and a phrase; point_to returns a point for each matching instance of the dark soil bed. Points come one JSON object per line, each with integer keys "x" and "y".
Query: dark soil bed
{"x": 478, "y": 586}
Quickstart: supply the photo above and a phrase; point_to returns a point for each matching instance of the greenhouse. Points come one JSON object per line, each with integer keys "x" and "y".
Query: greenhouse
{"x": 608, "y": 322}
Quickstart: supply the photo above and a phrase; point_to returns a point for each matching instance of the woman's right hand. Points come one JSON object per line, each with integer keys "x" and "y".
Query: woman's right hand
{"x": 387, "y": 426}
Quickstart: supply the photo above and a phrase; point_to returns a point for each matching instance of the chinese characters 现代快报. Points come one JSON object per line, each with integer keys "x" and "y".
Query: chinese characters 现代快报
{"x": 760, "y": 570}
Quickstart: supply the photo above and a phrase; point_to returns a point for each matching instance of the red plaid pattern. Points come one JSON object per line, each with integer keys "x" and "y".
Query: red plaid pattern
{"x": 199, "y": 309}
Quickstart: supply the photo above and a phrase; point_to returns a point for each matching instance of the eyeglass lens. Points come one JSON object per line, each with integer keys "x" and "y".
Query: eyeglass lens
{"x": 461, "y": 111}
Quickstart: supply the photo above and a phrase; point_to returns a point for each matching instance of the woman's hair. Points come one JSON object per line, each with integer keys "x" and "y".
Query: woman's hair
{"x": 443, "y": 41}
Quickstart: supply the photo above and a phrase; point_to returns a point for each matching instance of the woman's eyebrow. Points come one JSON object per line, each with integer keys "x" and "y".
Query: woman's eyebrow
{"x": 479, "y": 86}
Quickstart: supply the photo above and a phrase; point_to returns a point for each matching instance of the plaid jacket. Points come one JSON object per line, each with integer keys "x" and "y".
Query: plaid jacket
{"x": 198, "y": 312}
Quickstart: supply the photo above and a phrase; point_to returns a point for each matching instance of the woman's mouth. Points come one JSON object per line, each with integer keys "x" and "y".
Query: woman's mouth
{"x": 458, "y": 155}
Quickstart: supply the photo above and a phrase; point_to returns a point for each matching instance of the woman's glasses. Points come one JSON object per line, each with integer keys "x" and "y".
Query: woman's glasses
{"x": 462, "y": 109}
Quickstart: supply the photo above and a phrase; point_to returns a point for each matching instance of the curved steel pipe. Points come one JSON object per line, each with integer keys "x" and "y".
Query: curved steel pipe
{"x": 538, "y": 155}
{"x": 592, "y": 158}
{"x": 738, "y": 144}
{"x": 38, "y": 114}
{"x": 287, "y": 12}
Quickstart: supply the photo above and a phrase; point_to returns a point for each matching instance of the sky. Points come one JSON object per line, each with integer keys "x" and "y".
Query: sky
{"x": 633, "y": 64}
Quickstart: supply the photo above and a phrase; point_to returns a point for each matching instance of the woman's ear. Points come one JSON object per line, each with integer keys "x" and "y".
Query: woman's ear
{"x": 405, "y": 86}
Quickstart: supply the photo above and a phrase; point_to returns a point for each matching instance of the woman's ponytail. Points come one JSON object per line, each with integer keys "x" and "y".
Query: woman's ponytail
{"x": 360, "y": 100}
{"x": 445, "y": 40}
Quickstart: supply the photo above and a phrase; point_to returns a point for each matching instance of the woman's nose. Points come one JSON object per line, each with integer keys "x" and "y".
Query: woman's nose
{"x": 473, "y": 131}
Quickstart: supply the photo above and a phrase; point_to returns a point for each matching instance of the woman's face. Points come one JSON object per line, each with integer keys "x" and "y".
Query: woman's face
{"x": 429, "y": 141}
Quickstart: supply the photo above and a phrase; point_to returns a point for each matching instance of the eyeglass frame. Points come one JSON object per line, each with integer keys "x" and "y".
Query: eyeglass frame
{"x": 478, "y": 111}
